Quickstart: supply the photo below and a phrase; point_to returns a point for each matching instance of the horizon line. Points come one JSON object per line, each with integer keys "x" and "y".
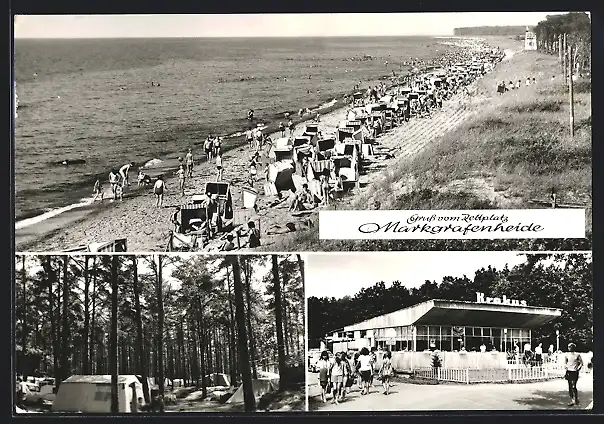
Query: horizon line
{"x": 243, "y": 36}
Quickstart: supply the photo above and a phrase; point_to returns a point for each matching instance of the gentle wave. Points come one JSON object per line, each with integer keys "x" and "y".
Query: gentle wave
{"x": 51, "y": 214}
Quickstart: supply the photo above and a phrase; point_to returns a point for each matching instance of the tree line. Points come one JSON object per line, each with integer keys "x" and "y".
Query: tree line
{"x": 556, "y": 281}
{"x": 120, "y": 314}
{"x": 577, "y": 27}
{"x": 489, "y": 30}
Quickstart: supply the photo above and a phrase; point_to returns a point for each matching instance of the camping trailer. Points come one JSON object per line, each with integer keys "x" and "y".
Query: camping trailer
{"x": 92, "y": 394}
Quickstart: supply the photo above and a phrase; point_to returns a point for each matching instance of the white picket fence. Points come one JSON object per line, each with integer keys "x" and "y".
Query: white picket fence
{"x": 445, "y": 374}
{"x": 511, "y": 374}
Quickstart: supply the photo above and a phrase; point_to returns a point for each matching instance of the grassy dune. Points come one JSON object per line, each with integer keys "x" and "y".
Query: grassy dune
{"x": 514, "y": 150}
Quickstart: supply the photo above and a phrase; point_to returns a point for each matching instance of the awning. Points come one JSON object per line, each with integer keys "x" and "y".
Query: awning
{"x": 459, "y": 313}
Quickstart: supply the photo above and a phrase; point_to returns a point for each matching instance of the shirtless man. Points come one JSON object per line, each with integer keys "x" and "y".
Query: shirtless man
{"x": 114, "y": 180}
{"x": 124, "y": 170}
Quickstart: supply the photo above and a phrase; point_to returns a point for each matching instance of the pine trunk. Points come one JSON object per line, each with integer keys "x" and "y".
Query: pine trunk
{"x": 279, "y": 324}
{"x": 113, "y": 357}
{"x": 246, "y": 374}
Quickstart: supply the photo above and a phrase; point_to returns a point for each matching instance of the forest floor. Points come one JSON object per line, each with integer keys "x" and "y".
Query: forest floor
{"x": 287, "y": 400}
{"x": 407, "y": 395}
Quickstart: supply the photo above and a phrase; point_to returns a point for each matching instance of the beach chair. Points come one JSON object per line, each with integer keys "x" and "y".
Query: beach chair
{"x": 225, "y": 199}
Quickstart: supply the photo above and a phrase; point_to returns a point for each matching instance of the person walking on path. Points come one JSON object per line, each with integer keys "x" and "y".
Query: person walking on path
{"x": 348, "y": 376}
{"x": 323, "y": 365}
{"x": 373, "y": 358}
{"x": 365, "y": 368}
{"x": 386, "y": 371}
{"x": 573, "y": 364}
{"x": 337, "y": 372}
{"x": 158, "y": 190}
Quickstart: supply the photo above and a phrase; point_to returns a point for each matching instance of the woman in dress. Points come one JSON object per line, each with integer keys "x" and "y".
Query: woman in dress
{"x": 323, "y": 366}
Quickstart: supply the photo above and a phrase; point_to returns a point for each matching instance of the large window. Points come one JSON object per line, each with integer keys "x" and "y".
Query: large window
{"x": 451, "y": 338}
{"x": 394, "y": 338}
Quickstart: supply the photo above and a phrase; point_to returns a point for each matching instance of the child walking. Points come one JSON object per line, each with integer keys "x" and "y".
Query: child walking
{"x": 386, "y": 371}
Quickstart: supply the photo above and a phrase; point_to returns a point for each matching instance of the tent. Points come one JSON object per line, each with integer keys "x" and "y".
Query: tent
{"x": 260, "y": 387}
{"x": 92, "y": 393}
{"x": 217, "y": 379}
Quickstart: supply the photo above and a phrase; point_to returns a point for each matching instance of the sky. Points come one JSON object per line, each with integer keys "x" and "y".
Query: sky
{"x": 339, "y": 275}
{"x": 263, "y": 25}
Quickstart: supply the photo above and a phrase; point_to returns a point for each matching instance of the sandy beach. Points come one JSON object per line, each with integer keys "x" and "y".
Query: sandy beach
{"x": 147, "y": 227}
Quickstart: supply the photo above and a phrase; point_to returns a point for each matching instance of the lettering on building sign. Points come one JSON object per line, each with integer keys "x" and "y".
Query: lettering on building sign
{"x": 481, "y": 298}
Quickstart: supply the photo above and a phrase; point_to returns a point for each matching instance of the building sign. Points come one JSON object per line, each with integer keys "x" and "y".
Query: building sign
{"x": 481, "y": 298}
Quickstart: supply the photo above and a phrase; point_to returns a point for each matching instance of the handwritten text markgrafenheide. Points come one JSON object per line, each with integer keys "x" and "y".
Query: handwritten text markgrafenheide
{"x": 397, "y": 227}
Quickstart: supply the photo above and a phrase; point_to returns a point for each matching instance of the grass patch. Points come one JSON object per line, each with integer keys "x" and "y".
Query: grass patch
{"x": 541, "y": 105}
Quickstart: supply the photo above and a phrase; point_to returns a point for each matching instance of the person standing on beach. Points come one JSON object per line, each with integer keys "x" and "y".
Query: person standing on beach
{"x": 291, "y": 127}
{"x": 98, "y": 190}
{"x": 253, "y": 235}
{"x": 324, "y": 189}
{"x": 219, "y": 166}
{"x": 181, "y": 179}
{"x": 124, "y": 171}
{"x": 158, "y": 190}
{"x": 207, "y": 147}
{"x": 217, "y": 146}
{"x": 114, "y": 180}
{"x": 249, "y": 137}
{"x": 282, "y": 129}
{"x": 189, "y": 163}
{"x": 573, "y": 364}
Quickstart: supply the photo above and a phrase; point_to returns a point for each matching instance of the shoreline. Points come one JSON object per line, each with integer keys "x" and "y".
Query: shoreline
{"x": 46, "y": 234}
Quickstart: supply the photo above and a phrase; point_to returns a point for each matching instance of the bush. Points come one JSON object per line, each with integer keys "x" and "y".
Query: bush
{"x": 436, "y": 361}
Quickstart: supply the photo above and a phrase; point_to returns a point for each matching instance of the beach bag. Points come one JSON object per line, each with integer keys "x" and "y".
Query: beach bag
{"x": 350, "y": 381}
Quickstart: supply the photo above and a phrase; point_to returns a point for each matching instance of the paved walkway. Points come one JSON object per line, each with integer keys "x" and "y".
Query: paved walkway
{"x": 548, "y": 395}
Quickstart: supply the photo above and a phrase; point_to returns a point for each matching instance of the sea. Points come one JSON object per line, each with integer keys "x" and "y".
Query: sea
{"x": 108, "y": 102}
